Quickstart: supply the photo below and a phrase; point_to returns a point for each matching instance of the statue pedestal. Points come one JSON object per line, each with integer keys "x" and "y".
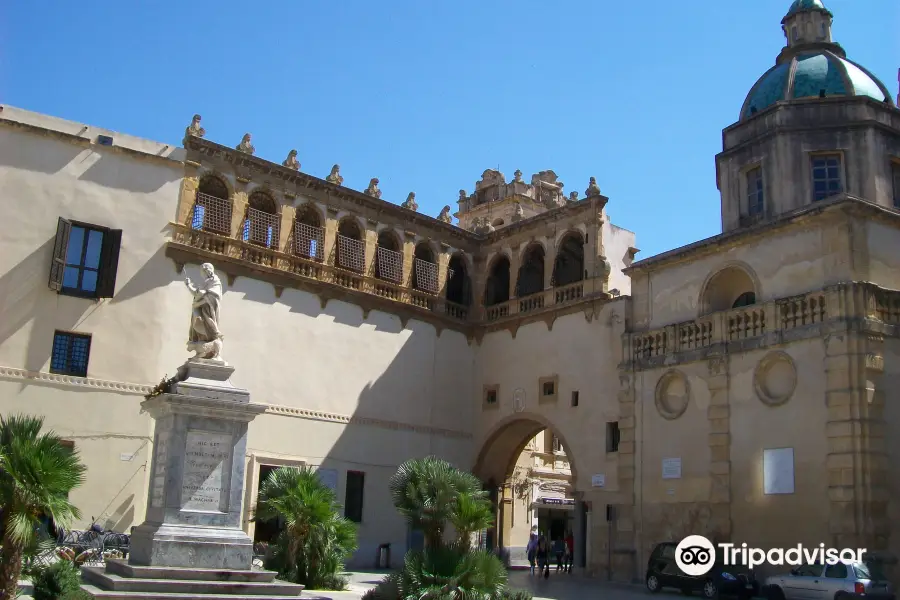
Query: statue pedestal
{"x": 191, "y": 541}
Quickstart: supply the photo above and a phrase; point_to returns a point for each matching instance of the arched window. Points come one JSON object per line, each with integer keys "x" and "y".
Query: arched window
{"x": 531, "y": 273}
{"x": 261, "y": 223}
{"x": 350, "y": 251}
{"x": 309, "y": 237}
{"x": 424, "y": 276}
{"x": 726, "y": 289}
{"x": 459, "y": 286}
{"x": 389, "y": 258}
{"x": 569, "y": 265}
{"x": 496, "y": 290}
{"x": 212, "y": 207}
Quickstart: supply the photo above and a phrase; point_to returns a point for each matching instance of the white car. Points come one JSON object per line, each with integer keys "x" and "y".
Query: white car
{"x": 845, "y": 580}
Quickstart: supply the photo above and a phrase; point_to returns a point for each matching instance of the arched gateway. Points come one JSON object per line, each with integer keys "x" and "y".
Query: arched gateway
{"x": 507, "y": 446}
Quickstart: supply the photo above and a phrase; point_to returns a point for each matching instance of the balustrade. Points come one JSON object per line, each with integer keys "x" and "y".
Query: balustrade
{"x": 304, "y": 258}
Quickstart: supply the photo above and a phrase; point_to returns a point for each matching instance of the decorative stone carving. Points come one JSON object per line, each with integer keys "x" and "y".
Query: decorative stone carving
{"x": 775, "y": 378}
{"x": 519, "y": 213}
{"x": 194, "y": 129}
{"x": 593, "y": 189}
{"x": 488, "y": 227}
{"x": 573, "y": 197}
{"x": 672, "y": 395}
{"x": 205, "y": 338}
{"x": 716, "y": 365}
{"x": 291, "y": 161}
{"x": 517, "y": 176}
{"x": 335, "y": 176}
{"x": 373, "y": 190}
{"x": 245, "y": 146}
{"x": 445, "y": 217}
{"x": 408, "y": 204}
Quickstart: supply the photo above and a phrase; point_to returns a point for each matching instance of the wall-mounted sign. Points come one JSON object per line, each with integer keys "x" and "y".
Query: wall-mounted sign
{"x": 598, "y": 480}
{"x": 778, "y": 471}
{"x": 671, "y": 468}
{"x": 557, "y": 501}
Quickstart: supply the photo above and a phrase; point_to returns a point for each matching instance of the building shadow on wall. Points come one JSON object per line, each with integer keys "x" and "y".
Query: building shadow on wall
{"x": 107, "y": 171}
{"x": 154, "y": 273}
{"x": 41, "y": 158}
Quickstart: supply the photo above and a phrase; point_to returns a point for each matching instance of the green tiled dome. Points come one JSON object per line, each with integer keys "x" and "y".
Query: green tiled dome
{"x": 812, "y": 75}
{"x": 799, "y": 5}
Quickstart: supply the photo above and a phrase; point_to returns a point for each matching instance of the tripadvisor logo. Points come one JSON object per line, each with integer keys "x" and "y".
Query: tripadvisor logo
{"x": 695, "y": 555}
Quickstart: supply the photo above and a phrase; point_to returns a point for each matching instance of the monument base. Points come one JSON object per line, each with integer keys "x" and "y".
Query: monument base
{"x": 121, "y": 581}
{"x": 169, "y": 545}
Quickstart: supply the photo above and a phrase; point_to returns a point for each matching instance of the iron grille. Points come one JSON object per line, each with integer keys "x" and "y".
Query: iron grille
{"x": 309, "y": 241}
{"x": 261, "y": 228}
{"x": 426, "y": 276}
{"x": 350, "y": 254}
{"x": 212, "y": 214}
{"x": 389, "y": 265}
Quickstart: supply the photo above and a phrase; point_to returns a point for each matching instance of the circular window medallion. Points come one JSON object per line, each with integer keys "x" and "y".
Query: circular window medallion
{"x": 672, "y": 395}
{"x": 775, "y": 379}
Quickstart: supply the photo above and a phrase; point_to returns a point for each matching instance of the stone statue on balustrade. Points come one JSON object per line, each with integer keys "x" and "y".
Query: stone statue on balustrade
{"x": 245, "y": 146}
{"x": 373, "y": 190}
{"x": 410, "y": 203}
{"x": 519, "y": 213}
{"x": 194, "y": 129}
{"x": 291, "y": 161}
{"x": 573, "y": 197}
{"x": 593, "y": 189}
{"x": 205, "y": 338}
{"x": 517, "y": 176}
{"x": 335, "y": 176}
{"x": 445, "y": 217}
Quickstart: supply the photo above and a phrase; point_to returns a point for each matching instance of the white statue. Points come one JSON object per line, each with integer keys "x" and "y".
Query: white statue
{"x": 205, "y": 338}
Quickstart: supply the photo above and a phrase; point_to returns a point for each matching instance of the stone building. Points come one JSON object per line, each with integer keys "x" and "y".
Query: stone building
{"x": 746, "y": 378}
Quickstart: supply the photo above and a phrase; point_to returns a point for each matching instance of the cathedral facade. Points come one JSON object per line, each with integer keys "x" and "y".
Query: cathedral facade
{"x": 739, "y": 387}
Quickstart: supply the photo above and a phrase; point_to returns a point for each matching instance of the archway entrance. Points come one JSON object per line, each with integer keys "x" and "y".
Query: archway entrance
{"x": 525, "y": 466}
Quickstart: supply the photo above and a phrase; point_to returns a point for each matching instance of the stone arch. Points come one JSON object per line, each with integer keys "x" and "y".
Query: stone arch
{"x": 309, "y": 213}
{"x": 498, "y": 222}
{"x": 725, "y": 286}
{"x": 389, "y": 256}
{"x": 496, "y": 464}
{"x": 350, "y": 247}
{"x": 424, "y": 272}
{"x": 568, "y": 266}
{"x": 263, "y": 199}
{"x": 459, "y": 283}
{"x": 261, "y": 219}
{"x": 212, "y": 206}
{"x": 530, "y": 278}
{"x": 309, "y": 234}
{"x": 496, "y": 289}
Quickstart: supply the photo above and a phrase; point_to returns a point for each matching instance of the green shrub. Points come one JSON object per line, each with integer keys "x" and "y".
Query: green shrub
{"x": 516, "y": 595}
{"x": 56, "y": 581}
{"x": 79, "y": 595}
{"x": 387, "y": 589}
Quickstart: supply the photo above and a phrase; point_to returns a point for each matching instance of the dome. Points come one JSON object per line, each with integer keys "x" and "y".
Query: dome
{"x": 812, "y": 75}
{"x": 799, "y": 5}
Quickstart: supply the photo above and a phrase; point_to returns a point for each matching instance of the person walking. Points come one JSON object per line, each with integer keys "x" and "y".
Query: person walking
{"x": 531, "y": 550}
{"x": 543, "y": 557}
{"x": 570, "y": 552}
{"x": 559, "y": 549}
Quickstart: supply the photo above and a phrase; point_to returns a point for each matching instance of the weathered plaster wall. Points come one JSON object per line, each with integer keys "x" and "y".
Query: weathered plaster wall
{"x": 884, "y": 260}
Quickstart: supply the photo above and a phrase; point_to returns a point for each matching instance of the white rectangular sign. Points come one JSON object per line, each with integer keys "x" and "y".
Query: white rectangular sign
{"x": 671, "y": 468}
{"x": 778, "y": 470}
{"x": 598, "y": 480}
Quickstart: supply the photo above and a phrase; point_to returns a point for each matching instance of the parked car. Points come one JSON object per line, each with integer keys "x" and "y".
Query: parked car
{"x": 845, "y": 580}
{"x": 727, "y": 580}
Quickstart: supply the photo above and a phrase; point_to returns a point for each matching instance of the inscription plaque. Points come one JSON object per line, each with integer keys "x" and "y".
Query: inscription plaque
{"x": 206, "y": 456}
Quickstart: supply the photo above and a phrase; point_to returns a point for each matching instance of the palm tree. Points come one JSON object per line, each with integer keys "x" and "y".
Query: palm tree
{"x": 473, "y": 512}
{"x": 37, "y": 472}
{"x": 316, "y": 538}
{"x": 426, "y": 491}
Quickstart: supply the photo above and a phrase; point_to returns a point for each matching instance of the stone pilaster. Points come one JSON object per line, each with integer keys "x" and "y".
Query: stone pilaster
{"x": 515, "y": 262}
{"x": 330, "y": 235}
{"x": 443, "y": 262}
{"x": 239, "y": 203}
{"x": 370, "y": 236}
{"x": 479, "y": 280}
{"x": 719, "y": 416}
{"x": 626, "y": 525}
{"x": 285, "y": 228}
{"x": 187, "y": 196}
{"x": 409, "y": 256}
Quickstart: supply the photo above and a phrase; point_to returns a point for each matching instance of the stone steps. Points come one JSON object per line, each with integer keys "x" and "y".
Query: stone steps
{"x": 116, "y": 583}
{"x": 111, "y": 595}
{"x": 122, "y": 568}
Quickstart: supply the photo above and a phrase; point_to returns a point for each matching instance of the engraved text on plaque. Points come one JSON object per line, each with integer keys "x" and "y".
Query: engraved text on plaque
{"x": 206, "y": 457}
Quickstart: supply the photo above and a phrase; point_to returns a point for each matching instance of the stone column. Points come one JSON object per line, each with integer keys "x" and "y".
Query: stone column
{"x": 478, "y": 277}
{"x": 370, "y": 236}
{"x": 443, "y": 262}
{"x": 197, "y": 473}
{"x": 285, "y": 228}
{"x": 330, "y": 237}
{"x": 719, "y": 416}
{"x": 187, "y": 196}
{"x": 409, "y": 255}
{"x": 239, "y": 203}
{"x": 549, "y": 264}
{"x": 515, "y": 263}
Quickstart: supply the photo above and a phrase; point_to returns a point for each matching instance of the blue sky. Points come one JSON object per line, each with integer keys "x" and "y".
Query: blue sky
{"x": 427, "y": 95}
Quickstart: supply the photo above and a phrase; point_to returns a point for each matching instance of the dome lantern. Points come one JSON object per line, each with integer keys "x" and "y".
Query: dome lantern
{"x": 807, "y": 22}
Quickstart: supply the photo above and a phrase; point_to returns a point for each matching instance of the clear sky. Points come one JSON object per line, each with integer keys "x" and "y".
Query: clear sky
{"x": 426, "y": 95}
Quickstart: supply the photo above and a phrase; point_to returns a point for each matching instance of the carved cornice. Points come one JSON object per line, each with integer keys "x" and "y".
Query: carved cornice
{"x": 134, "y": 389}
{"x": 844, "y": 205}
